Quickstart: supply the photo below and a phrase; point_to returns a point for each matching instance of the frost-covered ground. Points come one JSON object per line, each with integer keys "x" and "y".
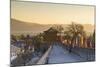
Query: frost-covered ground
{"x": 60, "y": 55}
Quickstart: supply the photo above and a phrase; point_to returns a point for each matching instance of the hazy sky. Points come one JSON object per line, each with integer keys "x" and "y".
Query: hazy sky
{"x": 47, "y": 13}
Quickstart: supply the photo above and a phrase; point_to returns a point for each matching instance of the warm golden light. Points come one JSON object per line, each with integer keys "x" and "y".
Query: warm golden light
{"x": 47, "y": 13}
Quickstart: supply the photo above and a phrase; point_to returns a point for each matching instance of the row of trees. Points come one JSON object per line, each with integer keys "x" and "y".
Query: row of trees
{"x": 77, "y": 36}
{"x": 74, "y": 34}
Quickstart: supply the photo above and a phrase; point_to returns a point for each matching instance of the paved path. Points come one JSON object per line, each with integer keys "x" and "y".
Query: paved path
{"x": 60, "y": 55}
